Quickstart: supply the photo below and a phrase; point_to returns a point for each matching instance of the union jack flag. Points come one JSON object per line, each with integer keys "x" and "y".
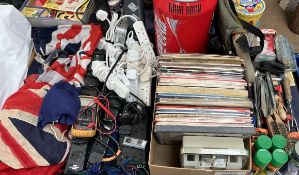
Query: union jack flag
{"x": 78, "y": 41}
{"x": 22, "y": 143}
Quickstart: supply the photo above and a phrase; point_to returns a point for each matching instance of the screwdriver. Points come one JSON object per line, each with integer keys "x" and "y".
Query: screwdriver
{"x": 288, "y": 97}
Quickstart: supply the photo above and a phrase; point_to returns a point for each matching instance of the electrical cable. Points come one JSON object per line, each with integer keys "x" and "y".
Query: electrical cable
{"x": 111, "y": 70}
{"x": 138, "y": 99}
{"x": 55, "y": 134}
{"x": 115, "y": 141}
{"x": 105, "y": 108}
{"x": 113, "y": 23}
{"x": 134, "y": 45}
{"x": 131, "y": 44}
{"x": 118, "y": 44}
{"x": 144, "y": 169}
{"x": 126, "y": 16}
{"x": 108, "y": 113}
{"x": 133, "y": 111}
{"x": 115, "y": 155}
{"x": 102, "y": 106}
{"x": 77, "y": 11}
{"x": 135, "y": 166}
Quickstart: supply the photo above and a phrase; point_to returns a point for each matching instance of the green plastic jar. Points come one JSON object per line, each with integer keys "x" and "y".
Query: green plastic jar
{"x": 263, "y": 142}
{"x": 279, "y": 158}
{"x": 278, "y": 142}
{"x": 262, "y": 158}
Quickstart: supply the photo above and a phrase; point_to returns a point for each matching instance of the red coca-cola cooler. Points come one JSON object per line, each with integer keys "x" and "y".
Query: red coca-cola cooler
{"x": 182, "y": 26}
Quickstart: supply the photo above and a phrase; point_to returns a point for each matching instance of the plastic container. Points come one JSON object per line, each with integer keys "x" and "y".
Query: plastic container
{"x": 182, "y": 26}
{"x": 278, "y": 142}
{"x": 261, "y": 159}
{"x": 279, "y": 158}
{"x": 251, "y": 12}
{"x": 263, "y": 142}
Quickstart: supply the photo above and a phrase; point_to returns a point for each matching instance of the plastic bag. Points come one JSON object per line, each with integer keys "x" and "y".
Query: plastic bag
{"x": 285, "y": 53}
{"x": 268, "y": 53}
{"x": 16, "y": 48}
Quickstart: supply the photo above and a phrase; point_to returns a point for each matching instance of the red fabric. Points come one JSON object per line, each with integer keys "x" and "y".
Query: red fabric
{"x": 46, "y": 170}
{"x": 17, "y": 150}
{"x": 26, "y": 104}
{"x": 31, "y": 78}
{"x": 93, "y": 39}
{"x": 70, "y": 34}
{"x": 61, "y": 68}
{"x": 19, "y": 101}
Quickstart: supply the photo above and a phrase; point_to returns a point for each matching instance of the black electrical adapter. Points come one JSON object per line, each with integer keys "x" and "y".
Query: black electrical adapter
{"x": 98, "y": 150}
{"x": 77, "y": 156}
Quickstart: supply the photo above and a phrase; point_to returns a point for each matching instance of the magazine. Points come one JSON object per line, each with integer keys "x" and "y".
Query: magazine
{"x": 67, "y": 5}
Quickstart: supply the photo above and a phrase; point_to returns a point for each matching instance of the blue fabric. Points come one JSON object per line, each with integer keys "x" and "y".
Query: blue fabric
{"x": 61, "y": 104}
{"x": 35, "y": 68}
{"x": 43, "y": 35}
{"x": 43, "y": 142}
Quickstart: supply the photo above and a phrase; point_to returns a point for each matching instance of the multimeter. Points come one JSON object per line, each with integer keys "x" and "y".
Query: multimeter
{"x": 86, "y": 122}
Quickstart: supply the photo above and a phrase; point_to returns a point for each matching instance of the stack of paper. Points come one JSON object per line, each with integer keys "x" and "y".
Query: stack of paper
{"x": 202, "y": 91}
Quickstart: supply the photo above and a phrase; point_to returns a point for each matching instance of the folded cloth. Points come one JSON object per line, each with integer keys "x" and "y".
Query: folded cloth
{"x": 61, "y": 104}
{"x": 22, "y": 143}
{"x": 69, "y": 38}
{"x": 77, "y": 42}
{"x": 71, "y": 69}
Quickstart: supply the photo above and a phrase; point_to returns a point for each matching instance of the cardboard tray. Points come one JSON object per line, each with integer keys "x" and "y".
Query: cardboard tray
{"x": 164, "y": 160}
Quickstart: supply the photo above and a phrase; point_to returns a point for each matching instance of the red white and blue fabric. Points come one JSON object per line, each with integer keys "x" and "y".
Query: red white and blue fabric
{"x": 79, "y": 41}
{"x": 22, "y": 144}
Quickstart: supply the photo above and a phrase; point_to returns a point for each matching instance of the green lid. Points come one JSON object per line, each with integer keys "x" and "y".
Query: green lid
{"x": 262, "y": 158}
{"x": 278, "y": 142}
{"x": 263, "y": 142}
{"x": 279, "y": 158}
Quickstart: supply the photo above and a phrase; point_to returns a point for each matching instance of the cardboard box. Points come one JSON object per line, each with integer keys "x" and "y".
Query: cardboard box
{"x": 164, "y": 160}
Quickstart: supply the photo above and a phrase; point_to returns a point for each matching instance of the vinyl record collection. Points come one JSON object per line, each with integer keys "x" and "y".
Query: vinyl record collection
{"x": 202, "y": 94}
